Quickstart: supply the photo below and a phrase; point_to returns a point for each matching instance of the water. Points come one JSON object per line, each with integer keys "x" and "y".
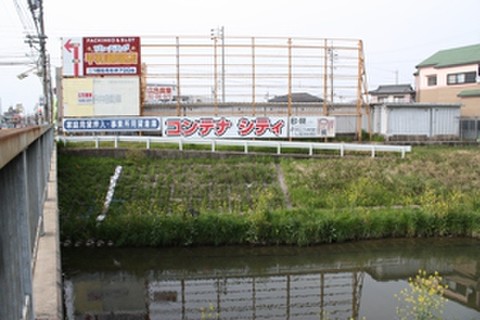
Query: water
{"x": 339, "y": 281}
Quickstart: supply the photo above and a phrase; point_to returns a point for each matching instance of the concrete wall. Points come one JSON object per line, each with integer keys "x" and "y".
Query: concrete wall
{"x": 415, "y": 119}
{"x": 24, "y": 167}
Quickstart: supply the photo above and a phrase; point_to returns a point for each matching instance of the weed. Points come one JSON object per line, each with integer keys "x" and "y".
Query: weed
{"x": 423, "y": 299}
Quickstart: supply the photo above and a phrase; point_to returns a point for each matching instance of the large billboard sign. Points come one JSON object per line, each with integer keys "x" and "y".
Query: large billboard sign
{"x": 109, "y": 96}
{"x": 248, "y": 127}
{"x": 210, "y": 127}
{"x": 111, "y": 56}
{"x": 101, "y": 56}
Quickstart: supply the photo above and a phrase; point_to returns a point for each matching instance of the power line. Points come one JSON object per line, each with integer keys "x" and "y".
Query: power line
{"x": 24, "y": 16}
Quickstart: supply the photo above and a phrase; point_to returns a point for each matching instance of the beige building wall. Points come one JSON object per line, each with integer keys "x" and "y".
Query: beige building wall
{"x": 470, "y": 107}
{"x": 445, "y": 94}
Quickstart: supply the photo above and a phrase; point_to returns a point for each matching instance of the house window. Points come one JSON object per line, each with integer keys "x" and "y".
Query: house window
{"x": 432, "y": 80}
{"x": 460, "y": 78}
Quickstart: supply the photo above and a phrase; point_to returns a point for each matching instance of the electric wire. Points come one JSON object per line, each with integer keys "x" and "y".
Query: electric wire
{"x": 25, "y": 17}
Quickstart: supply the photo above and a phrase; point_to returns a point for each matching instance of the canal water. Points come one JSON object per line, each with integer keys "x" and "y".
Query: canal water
{"x": 339, "y": 281}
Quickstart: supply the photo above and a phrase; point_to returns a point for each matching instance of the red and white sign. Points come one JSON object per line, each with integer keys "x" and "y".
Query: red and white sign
{"x": 111, "y": 56}
{"x": 72, "y": 54}
{"x": 101, "y": 56}
{"x": 224, "y": 127}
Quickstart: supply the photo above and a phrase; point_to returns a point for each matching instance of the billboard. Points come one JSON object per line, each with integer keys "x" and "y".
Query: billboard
{"x": 111, "y": 56}
{"x": 112, "y": 96}
{"x": 101, "y": 56}
{"x": 112, "y": 124}
{"x": 209, "y": 127}
{"x": 159, "y": 93}
{"x": 77, "y": 97}
{"x": 248, "y": 127}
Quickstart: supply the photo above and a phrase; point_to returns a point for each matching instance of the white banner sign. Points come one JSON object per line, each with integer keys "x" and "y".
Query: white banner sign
{"x": 248, "y": 127}
{"x": 211, "y": 127}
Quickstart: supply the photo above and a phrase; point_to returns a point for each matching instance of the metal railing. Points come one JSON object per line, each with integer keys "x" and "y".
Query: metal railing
{"x": 295, "y": 147}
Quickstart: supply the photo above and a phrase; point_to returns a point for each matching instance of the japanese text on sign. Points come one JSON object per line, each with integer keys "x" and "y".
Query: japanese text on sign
{"x": 111, "y": 56}
{"x": 223, "y": 127}
{"x": 115, "y": 124}
{"x": 211, "y": 127}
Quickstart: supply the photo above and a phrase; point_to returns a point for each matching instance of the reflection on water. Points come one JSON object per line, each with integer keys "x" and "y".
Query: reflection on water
{"x": 340, "y": 281}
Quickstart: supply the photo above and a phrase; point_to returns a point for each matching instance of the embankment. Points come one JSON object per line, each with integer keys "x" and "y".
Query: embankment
{"x": 172, "y": 199}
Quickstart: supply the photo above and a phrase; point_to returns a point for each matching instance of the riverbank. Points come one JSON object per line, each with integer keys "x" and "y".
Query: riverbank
{"x": 185, "y": 200}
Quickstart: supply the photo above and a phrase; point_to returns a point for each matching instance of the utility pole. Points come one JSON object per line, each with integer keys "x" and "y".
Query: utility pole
{"x": 45, "y": 67}
{"x": 36, "y": 8}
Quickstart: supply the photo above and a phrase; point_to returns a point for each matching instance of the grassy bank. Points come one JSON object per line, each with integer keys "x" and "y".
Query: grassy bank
{"x": 265, "y": 200}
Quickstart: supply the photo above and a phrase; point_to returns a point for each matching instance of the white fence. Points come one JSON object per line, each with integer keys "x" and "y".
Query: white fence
{"x": 279, "y": 146}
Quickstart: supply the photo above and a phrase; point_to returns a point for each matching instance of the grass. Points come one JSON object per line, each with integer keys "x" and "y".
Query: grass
{"x": 238, "y": 200}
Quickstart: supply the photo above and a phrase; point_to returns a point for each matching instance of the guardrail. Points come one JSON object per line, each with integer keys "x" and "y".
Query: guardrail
{"x": 309, "y": 147}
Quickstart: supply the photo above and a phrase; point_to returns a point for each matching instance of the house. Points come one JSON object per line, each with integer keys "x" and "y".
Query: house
{"x": 451, "y": 76}
{"x": 403, "y": 93}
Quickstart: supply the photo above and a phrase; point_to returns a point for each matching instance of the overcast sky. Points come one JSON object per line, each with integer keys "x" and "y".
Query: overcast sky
{"x": 397, "y": 35}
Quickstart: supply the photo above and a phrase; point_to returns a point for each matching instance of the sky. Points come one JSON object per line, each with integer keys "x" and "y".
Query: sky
{"x": 397, "y": 35}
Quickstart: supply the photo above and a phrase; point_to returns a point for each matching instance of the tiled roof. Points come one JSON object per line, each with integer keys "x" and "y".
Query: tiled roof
{"x": 393, "y": 89}
{"x": 297, "y": 97}
{"x": 452, "y": 57}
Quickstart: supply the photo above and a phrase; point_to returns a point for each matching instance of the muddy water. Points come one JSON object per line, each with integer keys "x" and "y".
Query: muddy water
{"x": 339, "y": 281}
